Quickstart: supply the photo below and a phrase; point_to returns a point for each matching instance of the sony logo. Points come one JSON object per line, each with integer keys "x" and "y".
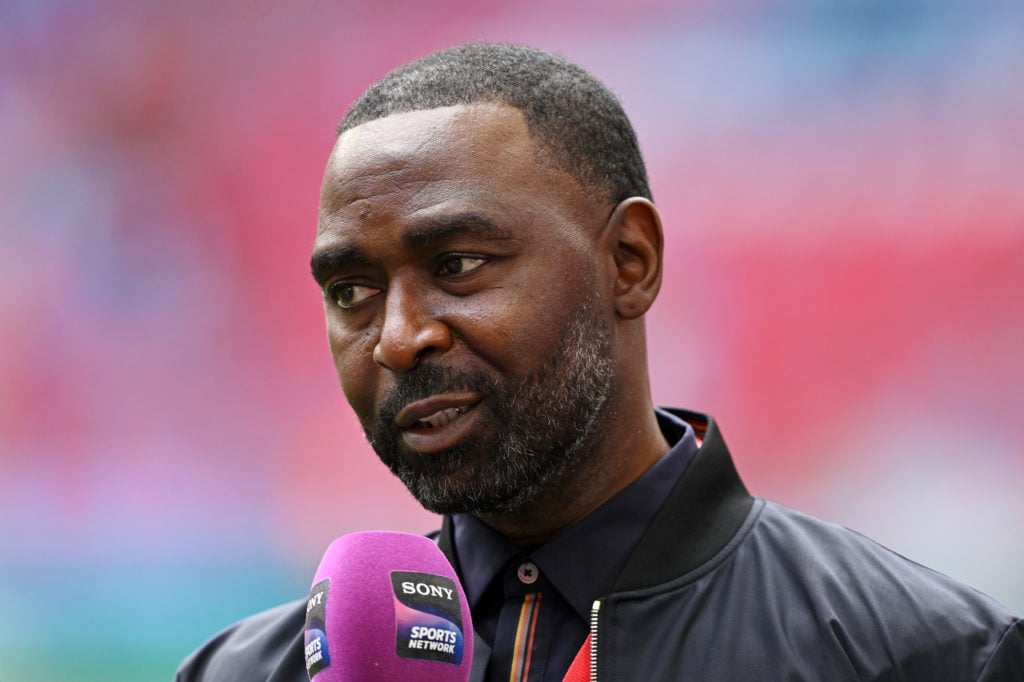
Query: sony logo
{"x": 314, "y": 600}
{"x": 427, "y": 590}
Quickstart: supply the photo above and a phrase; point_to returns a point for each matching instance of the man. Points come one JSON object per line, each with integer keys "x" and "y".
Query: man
{"x": 487, "y": 248}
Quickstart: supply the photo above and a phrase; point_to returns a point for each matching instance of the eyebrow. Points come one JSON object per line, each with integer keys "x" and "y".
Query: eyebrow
{"x": 323, "y": 263}
{"x": 420, "y": 236}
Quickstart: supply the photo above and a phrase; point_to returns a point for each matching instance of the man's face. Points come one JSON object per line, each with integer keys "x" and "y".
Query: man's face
{"x": 466, "y": 304}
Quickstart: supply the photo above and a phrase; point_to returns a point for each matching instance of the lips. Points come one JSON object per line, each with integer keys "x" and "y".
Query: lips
{"x": 435, "y": 411}
{"x": 441, "y": 418}
{"x": 438, "y": 422}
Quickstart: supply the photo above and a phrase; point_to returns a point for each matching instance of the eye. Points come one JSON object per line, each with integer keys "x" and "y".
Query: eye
{"x": 348, "y": 294}
{"x": 458, "y": 265}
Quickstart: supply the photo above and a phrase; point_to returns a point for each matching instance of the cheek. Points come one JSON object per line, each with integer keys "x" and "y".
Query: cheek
{"x": 352, "y": 353}
{"x": 524, "y": 323}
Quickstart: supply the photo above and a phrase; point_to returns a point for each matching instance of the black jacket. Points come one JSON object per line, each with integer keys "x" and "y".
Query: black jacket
{"x": 725, "y": 586}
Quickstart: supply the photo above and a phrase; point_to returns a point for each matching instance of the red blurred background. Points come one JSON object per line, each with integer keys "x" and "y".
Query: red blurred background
{"x": 842, "y": 186}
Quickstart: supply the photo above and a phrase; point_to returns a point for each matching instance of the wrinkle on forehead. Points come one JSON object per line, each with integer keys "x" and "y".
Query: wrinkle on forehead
{"x": 384, "y": 145}
{"x": 480, "y": 152}
{"x": 340, "y": 190}
{"x": 397, "y": 153}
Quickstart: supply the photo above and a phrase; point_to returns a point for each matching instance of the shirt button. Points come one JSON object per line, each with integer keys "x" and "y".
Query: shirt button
{"x": 528, "y": 572}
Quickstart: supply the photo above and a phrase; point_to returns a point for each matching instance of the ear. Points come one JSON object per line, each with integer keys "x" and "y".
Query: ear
{"x": 636, "y": 241}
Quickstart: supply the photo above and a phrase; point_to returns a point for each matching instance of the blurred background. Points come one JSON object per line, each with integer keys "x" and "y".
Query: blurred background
{"x": 842, "y": 185}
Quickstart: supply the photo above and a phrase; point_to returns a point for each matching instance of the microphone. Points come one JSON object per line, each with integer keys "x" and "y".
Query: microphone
{"x": 387, "y": 606}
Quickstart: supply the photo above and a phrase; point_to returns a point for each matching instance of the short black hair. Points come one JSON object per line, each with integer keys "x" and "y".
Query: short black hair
{"x": 569, "y": 113}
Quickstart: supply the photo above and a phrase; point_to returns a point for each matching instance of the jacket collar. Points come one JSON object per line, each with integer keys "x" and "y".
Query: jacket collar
{"x": 705, "y": 509}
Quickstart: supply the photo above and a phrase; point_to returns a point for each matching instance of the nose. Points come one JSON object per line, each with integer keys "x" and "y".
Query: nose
{"x": 409, "y": 331}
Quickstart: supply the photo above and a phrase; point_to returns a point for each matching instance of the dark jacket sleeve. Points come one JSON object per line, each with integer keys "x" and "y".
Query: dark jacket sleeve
{"x": 267, "y": 646}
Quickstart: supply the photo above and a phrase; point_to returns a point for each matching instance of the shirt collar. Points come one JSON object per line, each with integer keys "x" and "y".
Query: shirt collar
{"x": 583, "y": 562}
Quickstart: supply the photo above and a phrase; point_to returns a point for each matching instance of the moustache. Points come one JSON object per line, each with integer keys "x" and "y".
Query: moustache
{"x": 428, "y": 380}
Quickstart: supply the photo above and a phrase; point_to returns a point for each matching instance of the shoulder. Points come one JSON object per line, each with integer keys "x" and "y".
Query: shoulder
{"x": 266, "y": 646}
{"x": 824, "y": 553}
{"x": 878, "y": 606}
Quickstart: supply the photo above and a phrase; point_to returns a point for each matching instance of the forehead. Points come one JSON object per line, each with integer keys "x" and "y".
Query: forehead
{"x": 478, "y": 156}
{"x": 465, "y": 135}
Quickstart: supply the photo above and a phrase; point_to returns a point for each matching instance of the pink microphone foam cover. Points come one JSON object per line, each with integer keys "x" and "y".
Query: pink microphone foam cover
{"x": 387, "y": 606}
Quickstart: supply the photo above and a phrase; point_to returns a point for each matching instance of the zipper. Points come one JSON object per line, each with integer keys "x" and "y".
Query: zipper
{"x": 594, "y": 613}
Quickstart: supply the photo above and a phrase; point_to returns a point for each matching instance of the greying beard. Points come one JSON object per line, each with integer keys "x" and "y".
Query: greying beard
{"x": 542, "y": 428}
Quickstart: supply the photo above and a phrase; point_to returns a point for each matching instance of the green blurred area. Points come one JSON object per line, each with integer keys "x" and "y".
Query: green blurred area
{"x": 95, "y": 622}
